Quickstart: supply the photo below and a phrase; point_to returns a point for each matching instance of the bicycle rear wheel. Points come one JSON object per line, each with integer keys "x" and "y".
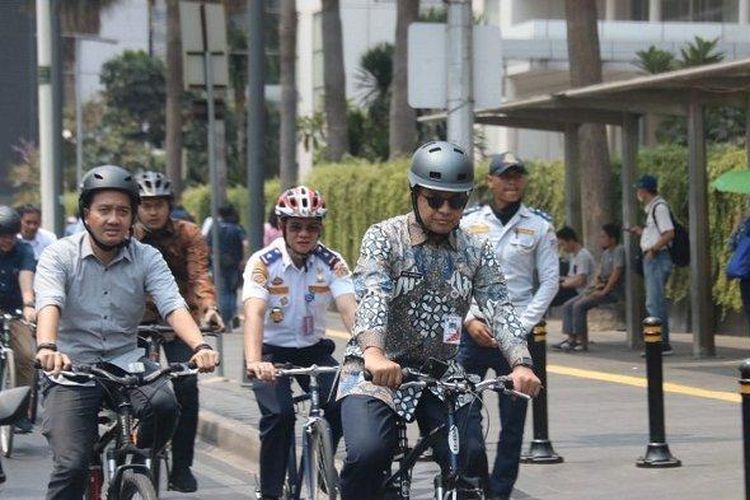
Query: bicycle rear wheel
{"x": 321, "y": 478}
{"x": 136, "y": 486}
{"x": 7, "y": 381}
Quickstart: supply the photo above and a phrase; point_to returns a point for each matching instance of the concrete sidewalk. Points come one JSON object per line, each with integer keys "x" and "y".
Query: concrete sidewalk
{"x": 598, "y": 421}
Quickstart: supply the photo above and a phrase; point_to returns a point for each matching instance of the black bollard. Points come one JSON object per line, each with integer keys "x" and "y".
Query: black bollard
{"x": 745, "y": 392}
{"x": 657, "y": 451}
{"x": 540, "y": 448}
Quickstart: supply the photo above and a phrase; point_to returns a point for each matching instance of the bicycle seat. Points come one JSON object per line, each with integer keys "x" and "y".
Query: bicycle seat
{"x": 13, "y": 404}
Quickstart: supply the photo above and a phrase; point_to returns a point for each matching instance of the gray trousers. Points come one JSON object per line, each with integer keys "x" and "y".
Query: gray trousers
{"x": 70, "y": 425}
{"x": 575, "y": 313}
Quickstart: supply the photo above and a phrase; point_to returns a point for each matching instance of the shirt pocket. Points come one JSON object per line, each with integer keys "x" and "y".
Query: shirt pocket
{"x": 522, "y": 242}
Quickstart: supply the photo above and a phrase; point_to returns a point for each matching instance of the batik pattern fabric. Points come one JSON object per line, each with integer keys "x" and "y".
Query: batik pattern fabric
{"x": 414, "y": 292}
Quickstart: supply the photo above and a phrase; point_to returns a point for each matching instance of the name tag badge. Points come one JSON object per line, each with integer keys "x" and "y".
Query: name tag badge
{"x": 452, "y": 329}
{"x": 308, "y": 326}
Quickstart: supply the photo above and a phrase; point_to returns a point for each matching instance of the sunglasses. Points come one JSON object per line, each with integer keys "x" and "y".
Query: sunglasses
{"x": 456, "y": 201}
{"x": 298, "y": 227}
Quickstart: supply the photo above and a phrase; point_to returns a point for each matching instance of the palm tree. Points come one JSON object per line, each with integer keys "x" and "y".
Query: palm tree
{"x": 288, "y": 129}
{"x": 700, "y": 52}
{"x": 655, "y": 60}
{"x": 334, "y": 81}
{"x": 594, "y": 169}
{"x": 402, "y": 135}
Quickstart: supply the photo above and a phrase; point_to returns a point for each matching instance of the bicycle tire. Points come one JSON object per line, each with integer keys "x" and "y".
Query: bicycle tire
{"x": 7, "y": 381}
{"x": 136, "y": 483}
{"x": 325, "y": 478}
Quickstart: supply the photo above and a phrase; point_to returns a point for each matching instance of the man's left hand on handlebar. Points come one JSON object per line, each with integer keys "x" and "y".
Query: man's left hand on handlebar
{"x": 205, "y": 359}
{"x": 525, "y": 381}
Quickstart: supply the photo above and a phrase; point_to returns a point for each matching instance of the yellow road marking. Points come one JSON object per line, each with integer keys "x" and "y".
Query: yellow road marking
{"x": 641, "y": 382}
{"x": 686, "y": 390}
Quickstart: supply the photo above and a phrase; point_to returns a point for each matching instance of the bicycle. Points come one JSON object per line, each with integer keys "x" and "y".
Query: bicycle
{"x": 153, "y": 336}
{"x": 315, "y": 476}
{"x": 397, "y": 486}
{"x": 128, "y": 468}
{"x": 7, "y": 379}
{"x": 13, "y": 403}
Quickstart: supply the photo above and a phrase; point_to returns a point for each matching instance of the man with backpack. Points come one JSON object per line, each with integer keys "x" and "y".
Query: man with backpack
{"x": 656, "y": 239}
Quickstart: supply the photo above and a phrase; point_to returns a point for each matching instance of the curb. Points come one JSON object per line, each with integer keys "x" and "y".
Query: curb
{"x": 228, "y": 434}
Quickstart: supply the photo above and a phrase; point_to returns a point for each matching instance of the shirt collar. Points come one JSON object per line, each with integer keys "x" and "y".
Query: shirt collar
{"x": 651, "y": 203}
{"x": 88, "y": 251}
{"x": 417, "y": 235}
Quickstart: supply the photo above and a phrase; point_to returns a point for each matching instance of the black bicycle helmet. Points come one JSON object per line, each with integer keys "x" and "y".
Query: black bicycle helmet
{"x": 154, "y": 185}
{"x": 10, "y": 221}
{"x": 108, "y": 177}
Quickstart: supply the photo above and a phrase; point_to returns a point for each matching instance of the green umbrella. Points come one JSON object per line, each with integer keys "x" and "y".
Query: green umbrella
{"x": 734, "y": 181}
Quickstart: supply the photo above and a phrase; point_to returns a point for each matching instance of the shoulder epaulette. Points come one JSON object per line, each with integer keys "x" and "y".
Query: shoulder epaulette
{"x": 471, "y": 210}
{"x": 326, "y": 255}
{"x": 270, "y": 256}
{"x": 541, "y": 213}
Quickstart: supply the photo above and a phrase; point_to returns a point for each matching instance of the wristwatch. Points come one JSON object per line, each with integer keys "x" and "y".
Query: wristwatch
{"x": 524, "y": 361}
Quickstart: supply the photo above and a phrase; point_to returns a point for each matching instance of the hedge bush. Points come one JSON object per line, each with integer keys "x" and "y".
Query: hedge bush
{"x": 361, "y": 193}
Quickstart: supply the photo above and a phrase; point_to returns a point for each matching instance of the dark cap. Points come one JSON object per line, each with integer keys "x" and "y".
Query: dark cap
{"x": 648, "y": 182}
{"x": 499, "y": 164}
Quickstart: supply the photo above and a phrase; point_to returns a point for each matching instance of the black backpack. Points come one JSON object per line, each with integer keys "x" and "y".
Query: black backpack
{"x": 679, "y": 247}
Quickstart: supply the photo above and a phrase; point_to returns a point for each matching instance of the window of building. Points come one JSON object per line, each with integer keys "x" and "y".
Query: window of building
{"x": 717, "y": 11}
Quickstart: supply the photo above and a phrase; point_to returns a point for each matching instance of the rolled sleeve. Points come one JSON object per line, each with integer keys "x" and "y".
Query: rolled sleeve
{"x": 161, "y": 285}
{"x": 49, "y": 281}
{"x": 255, "y": 279}
{"x": 373, "y": 286}
{"x": 491, "y": 295}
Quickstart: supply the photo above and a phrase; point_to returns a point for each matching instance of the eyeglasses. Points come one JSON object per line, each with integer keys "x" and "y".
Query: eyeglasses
{"x": 298, "y": 227}
{"x": 456, "y": 201}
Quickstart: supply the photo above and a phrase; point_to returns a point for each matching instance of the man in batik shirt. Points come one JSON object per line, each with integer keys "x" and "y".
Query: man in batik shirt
{"x": 415, "y": 279}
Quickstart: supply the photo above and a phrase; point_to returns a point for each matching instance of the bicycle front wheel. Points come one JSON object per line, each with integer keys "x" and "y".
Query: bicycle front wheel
{"x": 321, "y": 478}
{"x": 7, "y": 381}
{"x": 136, "y": 486}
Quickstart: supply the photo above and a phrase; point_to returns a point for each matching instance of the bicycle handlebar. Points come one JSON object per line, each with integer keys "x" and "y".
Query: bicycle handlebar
{"x": 93, "y": 372}
{"x": 502, "y": 384}
{"x": 286, "y": 370}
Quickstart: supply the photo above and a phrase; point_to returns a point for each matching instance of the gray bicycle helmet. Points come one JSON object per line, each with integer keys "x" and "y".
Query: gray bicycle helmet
{"x": 441, "y": 166}
{"x": 154, "y": 185}
{"x": 10, "y": 221}
{"x": 107, "y": 177}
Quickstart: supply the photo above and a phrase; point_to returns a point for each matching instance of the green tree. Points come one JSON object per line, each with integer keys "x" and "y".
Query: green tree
{"x": 135, "y": 95}
{"x": 700, "y": 52}
{"x": 655, "y": 60}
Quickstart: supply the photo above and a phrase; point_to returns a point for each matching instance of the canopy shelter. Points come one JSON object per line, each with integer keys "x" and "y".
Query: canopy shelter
{"x": 684, "y": 92}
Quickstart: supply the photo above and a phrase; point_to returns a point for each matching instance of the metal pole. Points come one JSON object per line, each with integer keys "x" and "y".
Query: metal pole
{"x": 459, "y": 50}
{"x": 745, "y": 393}
{"x": 540, "y": 448}
{"x": 701, "y": 303}
{"x": 46, "y": 112}
{"x": 255, "y": 125}
{"x": 572, "y": 180}
{"x": 79, "y": 115}
{"x": 633, "y": 287}
{"x": 657, "y": 451}
{"x": 213, "y": 174}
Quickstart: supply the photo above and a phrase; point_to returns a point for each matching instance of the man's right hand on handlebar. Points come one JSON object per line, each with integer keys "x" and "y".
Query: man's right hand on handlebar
{"x": 384, "y": 371}
{"x": 53, "y": 361}
{"x": 262, "y": 370}
{"x": 205, "y": 360}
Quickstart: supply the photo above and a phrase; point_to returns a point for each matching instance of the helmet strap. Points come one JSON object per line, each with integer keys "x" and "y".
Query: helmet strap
{"x": 429, "y": 233}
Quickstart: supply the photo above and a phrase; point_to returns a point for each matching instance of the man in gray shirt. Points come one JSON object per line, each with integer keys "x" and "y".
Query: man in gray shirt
{"x": 90, "y": 296}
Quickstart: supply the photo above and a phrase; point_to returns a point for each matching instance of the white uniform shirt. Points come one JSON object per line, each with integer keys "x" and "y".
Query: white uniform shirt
{"x": 296, "y": 299}
{"x": 42, "y": 240}
{"x": 658, "y": 222}
{"x": 526, "y": 248}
